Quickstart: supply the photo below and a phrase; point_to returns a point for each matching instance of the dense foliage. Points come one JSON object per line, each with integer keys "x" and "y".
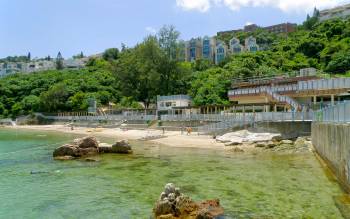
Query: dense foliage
{"x": 129, "y": 76}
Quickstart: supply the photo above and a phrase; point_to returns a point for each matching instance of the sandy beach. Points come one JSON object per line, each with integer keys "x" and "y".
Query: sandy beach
{"x": 170, "y": 138}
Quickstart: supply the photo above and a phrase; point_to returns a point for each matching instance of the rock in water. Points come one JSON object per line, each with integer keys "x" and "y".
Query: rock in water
{"x": 82, "y": 152}
{"x": 169, "y": 188}
{"x": 87, "y": 142}
{"x": 65, "y": 150}
{"x": 164, "y": 207}
{"x": 89, "y": 146}
{"x": 122, "y": 147}
{"x": 210, "y": 209}
{"x": 174, "y": 205}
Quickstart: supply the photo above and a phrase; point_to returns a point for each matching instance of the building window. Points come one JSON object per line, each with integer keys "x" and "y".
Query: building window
{"x": 206, "y": 48}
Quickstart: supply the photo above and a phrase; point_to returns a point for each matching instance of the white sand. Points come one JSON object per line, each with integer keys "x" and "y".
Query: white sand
{"x": 171, "y": 138}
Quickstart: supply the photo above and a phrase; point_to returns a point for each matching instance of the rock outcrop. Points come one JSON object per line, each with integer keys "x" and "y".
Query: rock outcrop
{"x": 87, "y": 142}
{"x": 245, "y": 141}
{"x": 121, "y": 147}
{"x": 243, "y": 136}
{"x": 89, "y": 146}
{"x": 172, "y": 204}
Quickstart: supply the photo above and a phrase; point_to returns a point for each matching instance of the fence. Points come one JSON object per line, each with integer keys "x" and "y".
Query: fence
{"x": 242, "y": 120}
{"x": 102, "y": 118}
{"x": 335, "y": 114}
{"x": 203, "y": 117}
{"x": 323, "y": 84}
{"x": 5, "y": 120}
{"x": 264, "y": 89}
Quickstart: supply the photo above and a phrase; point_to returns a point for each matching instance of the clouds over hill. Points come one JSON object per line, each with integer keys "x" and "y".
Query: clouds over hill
{"x": 284, "y": 5}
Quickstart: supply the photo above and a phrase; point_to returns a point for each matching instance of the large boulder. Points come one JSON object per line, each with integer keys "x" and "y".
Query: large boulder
{"x": 81, "y": 152}
{"x": 79, "y": 148}
{"x": 86, "y": 142}
{"x": 105, "y": 149}
{"x": 121, "y": 147}
{"x": 66, "y": 150}
{"x": 89, "y": 146}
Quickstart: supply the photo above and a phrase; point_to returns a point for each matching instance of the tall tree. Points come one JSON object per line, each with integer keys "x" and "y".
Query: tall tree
{"x": 29, "y": 56}
{"x": 168, "y": 38}
{"x": 139, "y": 70}
{"x": 59, "y": 61}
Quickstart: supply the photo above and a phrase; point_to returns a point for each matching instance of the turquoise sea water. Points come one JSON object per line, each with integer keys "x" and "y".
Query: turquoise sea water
{"x": 119, "y": 186}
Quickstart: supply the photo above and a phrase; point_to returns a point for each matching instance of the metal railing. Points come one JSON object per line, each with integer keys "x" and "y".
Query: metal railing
{"x": 225, "y": 125}
{"x": 262, "y": 89}
{"x": 324, "y": 84}
{"x": 339, "y": 113}
{"x": 173, "y": 97}
{"x": 5, "y": 120}
{"x": 251, "y": 118}
{"x": 202, "y": 117}
{"x": 283, "y": 99}
{"x": 102, "y": 118}
{"x": 321, "y": 84}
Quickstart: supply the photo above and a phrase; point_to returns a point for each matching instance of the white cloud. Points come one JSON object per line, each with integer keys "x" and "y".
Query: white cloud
{"x": 199, "y": 5}
{"x": 151, "y": 30}
{"x": 284, "y": 5}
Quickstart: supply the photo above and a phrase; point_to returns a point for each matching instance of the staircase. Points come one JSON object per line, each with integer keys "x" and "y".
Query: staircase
{"x": 283, "y": 99}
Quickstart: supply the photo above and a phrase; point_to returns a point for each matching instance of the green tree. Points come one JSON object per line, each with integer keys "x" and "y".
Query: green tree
{"x": 340, "y": 63}
{"x": 111, "y": 54}
{"x": 59, "y": 61}
{"x": 168, "y": 38}
{"x": 210, "y": 87}
{"x": 30, "y": 103}
{"x": 54, "y": 100}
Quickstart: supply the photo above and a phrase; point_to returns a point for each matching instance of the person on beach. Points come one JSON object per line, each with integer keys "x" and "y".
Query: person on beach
{"x": 189, "y": 130}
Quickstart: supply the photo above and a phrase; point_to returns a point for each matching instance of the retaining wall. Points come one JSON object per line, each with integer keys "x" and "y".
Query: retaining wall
{"x": 288, "y": 130}
{"x": 332, "y": 143}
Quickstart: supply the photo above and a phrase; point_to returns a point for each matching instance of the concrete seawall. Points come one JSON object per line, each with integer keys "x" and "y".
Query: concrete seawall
{"x": 332, "y": 143}
{"x": 288, "y": 130}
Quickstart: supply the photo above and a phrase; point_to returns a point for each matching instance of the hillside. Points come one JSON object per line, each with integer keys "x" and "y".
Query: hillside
{"x": 139, "y": 74}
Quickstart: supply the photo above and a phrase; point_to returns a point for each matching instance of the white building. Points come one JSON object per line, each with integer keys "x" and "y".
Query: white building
{"x": 337, "y": 12}
{"x": 165, "y": 103}
{"x": 251, "y": 45}
{"x": 38, "y": 65}
{"x": 235, "y": 46}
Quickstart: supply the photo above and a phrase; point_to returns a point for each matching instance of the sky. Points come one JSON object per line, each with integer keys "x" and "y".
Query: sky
{"x": 45, "y": 27}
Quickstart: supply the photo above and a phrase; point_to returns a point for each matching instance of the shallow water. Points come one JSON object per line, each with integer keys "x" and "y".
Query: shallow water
{"x": 249, "y": 186}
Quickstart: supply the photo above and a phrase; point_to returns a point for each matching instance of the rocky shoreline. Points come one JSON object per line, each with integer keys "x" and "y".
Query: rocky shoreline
{"x": 89, "y": 146}
{"x": 245, "y": 141}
